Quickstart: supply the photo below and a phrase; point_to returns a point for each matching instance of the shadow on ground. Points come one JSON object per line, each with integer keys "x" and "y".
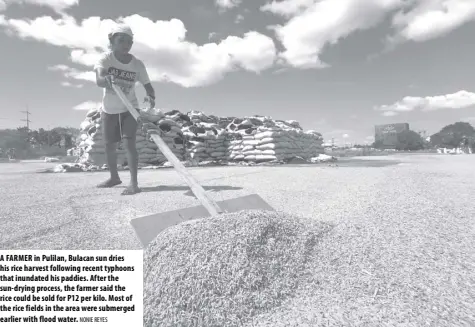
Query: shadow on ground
{"x": 174, "y": 188}
{"x": 343, "y": 162}
{"x": 366, "y": 163}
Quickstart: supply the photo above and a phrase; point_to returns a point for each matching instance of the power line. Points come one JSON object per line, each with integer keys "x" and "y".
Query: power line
{"x": 28, "y": 121}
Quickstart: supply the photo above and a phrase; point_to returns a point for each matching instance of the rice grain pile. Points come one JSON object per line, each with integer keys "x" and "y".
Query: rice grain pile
{"x": 222, "y": 271}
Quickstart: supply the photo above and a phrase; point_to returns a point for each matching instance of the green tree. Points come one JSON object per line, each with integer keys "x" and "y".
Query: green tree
{"x": 14, "y": 138}
{"x": 409, "y": 140}
{"x": 452, "y": 135}
{"x": 54, "y": 137}
{"x": 42, "y": 136}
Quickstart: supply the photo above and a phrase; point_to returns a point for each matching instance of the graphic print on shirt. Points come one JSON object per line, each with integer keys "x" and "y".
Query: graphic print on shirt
{"x": 123, "y": 78}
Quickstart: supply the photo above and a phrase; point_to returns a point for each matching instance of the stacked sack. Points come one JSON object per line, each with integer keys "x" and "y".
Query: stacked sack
{"x": 169, "y": 126}
{"x": 199, "y": 137}
{"x": 206, "y": 142}
{"x": 147, "y": 149}
{"x": 207, "y": 137}
{"x": 260, "y": 139}
{"x": 91, "y": 147}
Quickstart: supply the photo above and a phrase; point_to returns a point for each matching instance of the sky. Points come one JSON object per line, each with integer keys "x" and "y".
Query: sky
{"x": 337, "y": 66}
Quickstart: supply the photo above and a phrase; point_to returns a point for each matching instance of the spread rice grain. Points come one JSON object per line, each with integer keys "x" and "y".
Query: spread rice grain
{"x": 222, "y": 271}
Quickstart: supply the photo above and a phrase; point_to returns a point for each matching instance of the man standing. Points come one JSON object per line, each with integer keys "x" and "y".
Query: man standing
{"x": 121, "y": 68}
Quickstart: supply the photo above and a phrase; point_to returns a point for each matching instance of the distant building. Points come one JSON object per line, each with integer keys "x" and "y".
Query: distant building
{"x": 387, "y": 134}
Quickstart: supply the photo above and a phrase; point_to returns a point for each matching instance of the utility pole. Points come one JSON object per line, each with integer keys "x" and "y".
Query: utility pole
{"x": 28, "y": 121}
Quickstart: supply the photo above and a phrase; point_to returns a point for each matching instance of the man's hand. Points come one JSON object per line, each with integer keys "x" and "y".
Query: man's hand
{"x": 110, "y": 79}
{"x": 150, "y": 101}
{"x": 140, "y": 125}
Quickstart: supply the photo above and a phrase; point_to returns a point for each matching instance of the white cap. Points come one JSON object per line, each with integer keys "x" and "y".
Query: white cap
{"x": 120, "y": 28}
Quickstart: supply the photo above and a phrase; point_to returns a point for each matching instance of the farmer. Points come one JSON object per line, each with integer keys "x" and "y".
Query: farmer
{"x": 121, "y": 68}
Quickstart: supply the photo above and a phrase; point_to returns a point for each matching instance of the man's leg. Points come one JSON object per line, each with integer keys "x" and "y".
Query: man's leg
{"x": 129, "y": 136}
{"x": 111, "y": 136}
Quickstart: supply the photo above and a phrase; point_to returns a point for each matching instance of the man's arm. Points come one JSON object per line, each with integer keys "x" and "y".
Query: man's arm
{"x": 145, "y": 80}
{"x": 150, "y": 91}
{"x": 101, "y": 80}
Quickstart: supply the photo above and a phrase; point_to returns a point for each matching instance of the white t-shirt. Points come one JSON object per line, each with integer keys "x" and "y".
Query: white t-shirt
{"x": 126, "y": 76}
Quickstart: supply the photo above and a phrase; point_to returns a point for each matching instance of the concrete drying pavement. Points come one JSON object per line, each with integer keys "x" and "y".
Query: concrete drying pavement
{"x": 66, "y": 211}
{"x": 401, "y": 251}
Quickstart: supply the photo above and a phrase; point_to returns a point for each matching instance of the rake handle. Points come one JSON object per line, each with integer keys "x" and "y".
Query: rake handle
{"x": 196, "y": 188}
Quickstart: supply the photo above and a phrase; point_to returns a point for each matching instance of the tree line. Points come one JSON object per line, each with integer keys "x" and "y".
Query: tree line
{"x": 451, "y": 136}
{"x": 23, "y": 139}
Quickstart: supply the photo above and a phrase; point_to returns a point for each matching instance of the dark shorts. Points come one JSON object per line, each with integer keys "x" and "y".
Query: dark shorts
{"x": 118, "y": 126}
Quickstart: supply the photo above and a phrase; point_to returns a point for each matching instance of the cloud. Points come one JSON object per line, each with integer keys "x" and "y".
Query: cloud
{"x": 469, "y": 119}
{"x": 429, "y": 19}
{"x": 74, "y": 73}
{"x": 57, "y": 5}
{"x": 83, "y": 57}
{"x": 339, "y": 132}
{"x": 239, "y": 18}
{"x": 287, "y": 8}
{"x": 227, "y": 4}
{"x": 68, "y": 84}
{"x": 312, "y": 25}
{"x": 345, "y": 136}
{"x": 87, "y": 105}
{"x": 162, "y": 45}
{"x": 458, "y": 100}
{"x": 389, "y": 114}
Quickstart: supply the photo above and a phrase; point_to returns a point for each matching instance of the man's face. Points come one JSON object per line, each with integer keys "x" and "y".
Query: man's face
{"x": 122, "y": 42}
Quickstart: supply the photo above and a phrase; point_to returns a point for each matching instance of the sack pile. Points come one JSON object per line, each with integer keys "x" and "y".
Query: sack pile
{"x": 206, "y": 142}
{"x": 466, "y": 150}
{"x": 323, "y": 158}
{"x": 91, "y": 147}
{"x": 274, "y": 144}
{"x": 198, "y": 138}
{"x": 206, "y": 137}
{"x": 261, "y": 139}
{"x": 169, "y": 126}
